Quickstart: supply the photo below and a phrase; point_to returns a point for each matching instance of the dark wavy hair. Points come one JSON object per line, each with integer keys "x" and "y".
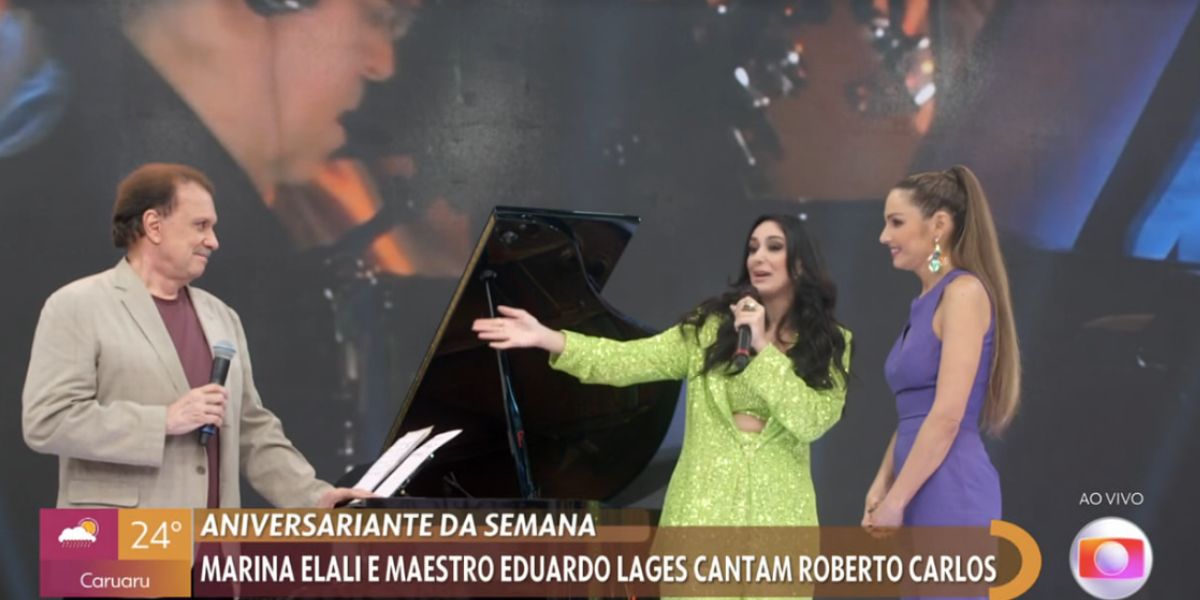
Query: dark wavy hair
{"x": 819, "y": 340}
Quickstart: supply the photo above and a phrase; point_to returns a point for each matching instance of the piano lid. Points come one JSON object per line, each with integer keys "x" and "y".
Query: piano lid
{"x": 584, "y": 441}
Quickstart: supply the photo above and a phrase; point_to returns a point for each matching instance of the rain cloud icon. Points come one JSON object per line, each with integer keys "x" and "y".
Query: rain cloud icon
{"x": 82, "y": 535}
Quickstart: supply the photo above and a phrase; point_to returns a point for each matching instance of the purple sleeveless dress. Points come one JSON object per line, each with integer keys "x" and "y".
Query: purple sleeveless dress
{"x": 965, "y": 489}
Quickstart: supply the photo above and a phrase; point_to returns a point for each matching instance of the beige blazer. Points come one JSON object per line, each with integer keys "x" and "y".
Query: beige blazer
{"x": 101, "y": 373}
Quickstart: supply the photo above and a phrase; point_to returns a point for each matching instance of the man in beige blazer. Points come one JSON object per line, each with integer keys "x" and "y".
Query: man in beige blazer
{"x": 106, "y": 389}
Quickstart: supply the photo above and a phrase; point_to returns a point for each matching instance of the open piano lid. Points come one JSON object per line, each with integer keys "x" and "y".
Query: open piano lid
{"x": 584, "y": 441}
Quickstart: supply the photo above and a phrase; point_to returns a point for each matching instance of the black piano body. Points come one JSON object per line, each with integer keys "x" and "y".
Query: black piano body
{"x": 583, "y": 442}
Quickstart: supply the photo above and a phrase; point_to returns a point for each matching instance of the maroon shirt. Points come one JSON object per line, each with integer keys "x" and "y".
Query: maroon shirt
{"x": 196, "y": 357}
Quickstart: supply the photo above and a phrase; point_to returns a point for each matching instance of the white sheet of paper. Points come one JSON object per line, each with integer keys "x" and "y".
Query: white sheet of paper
{"x": 414, "y": 461}
{"x": 393, "y": 457}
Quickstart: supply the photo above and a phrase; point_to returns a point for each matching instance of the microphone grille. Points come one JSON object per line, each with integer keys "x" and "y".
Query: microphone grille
{"x": 224, "y": 349}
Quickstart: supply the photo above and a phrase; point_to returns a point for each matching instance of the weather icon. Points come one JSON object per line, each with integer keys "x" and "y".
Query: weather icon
{"x": 81, "y": 535}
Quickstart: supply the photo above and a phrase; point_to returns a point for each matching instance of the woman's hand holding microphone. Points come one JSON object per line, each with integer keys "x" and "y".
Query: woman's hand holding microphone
{"x": 747, "y": 311}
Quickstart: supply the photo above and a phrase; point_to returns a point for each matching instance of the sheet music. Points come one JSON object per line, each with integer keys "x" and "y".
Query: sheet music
{"x": 414, "y": 462}
{"x": 394, "y": 456}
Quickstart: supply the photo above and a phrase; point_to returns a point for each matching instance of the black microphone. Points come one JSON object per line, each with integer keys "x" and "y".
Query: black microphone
{"x": 222, "y": 355}
{"x": 741, "y": 356}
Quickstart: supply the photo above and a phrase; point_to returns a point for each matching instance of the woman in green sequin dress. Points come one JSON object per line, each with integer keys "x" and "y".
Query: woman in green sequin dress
{"x": 745, "y": 454}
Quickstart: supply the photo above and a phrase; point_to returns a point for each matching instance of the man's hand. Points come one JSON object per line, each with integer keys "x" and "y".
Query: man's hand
{"x": 200, "y": 406}
{"x": 337, "y": 496}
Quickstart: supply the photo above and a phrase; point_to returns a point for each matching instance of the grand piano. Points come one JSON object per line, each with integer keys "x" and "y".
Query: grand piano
{"x": 530, "y": 432}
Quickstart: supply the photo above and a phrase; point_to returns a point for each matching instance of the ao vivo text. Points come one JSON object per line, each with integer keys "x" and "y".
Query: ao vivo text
{"x": 1111, "y": 499}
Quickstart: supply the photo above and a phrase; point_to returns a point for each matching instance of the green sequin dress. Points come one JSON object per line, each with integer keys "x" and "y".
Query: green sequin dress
{"x": 725, "y": 476}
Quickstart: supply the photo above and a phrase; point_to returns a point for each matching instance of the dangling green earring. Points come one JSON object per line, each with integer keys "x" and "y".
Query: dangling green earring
{"x": 935, "y": 259}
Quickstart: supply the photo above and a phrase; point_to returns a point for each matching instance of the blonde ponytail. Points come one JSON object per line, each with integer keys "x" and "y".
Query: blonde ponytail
{"x": 977, "y": 249}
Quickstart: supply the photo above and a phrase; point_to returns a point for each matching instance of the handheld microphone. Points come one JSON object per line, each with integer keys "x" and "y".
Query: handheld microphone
{"x": 741, "y": 356}
{"x": 223, "y": 352}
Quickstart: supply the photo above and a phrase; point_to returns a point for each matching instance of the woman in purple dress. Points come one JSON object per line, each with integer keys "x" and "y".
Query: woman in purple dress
{"x": 955, "y": 367}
